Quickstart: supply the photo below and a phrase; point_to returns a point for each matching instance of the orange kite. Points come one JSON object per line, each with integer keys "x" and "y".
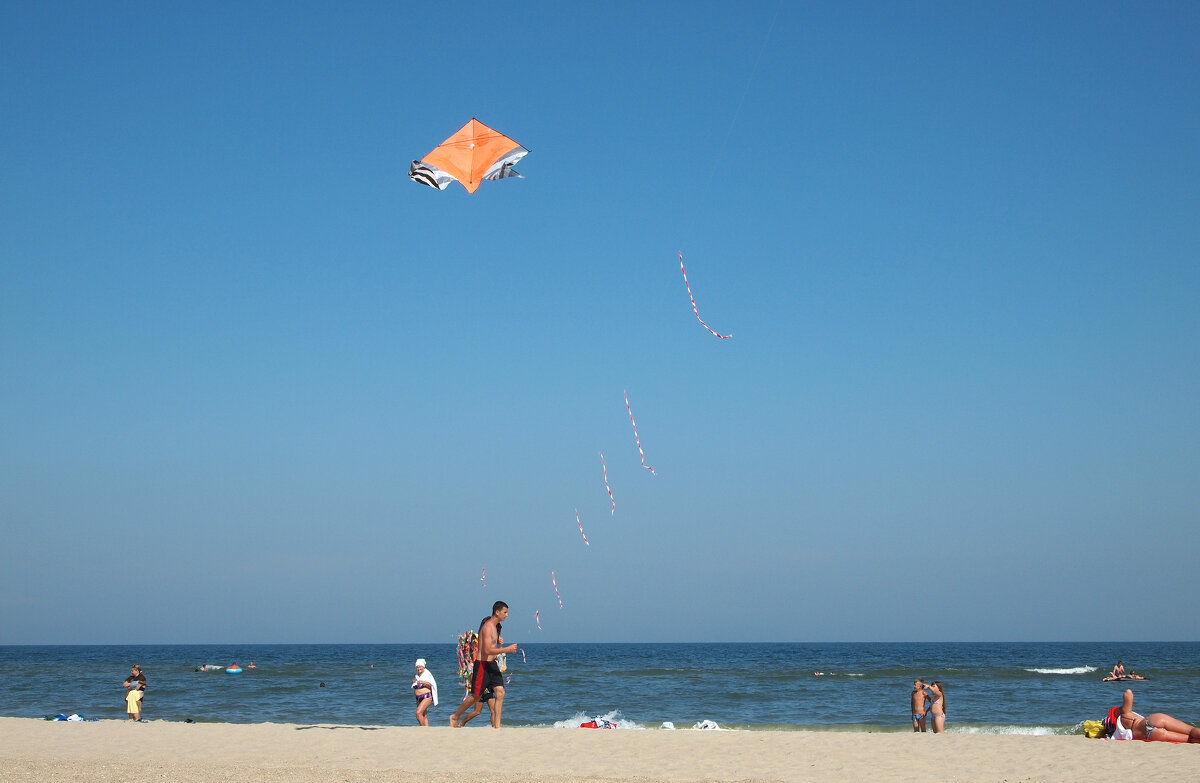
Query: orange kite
{"x": 473, "y": 154}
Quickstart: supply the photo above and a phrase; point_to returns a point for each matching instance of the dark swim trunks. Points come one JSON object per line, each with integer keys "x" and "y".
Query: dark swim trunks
{"x": 486, "y": 677}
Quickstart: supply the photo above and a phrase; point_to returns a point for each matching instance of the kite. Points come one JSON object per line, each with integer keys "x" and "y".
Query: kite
{"x": 522, "y": 649}
{"x": 554, "y": 582}
{"x": 636, "y": 439}
{"x": 577, "y": 520}
{"x": 605, "y": 469}
{"x": 694, "y": 309}
{"x": 483, "y": 578}
{"x": 474, "y": 153}
{"x": 536, "y": 620}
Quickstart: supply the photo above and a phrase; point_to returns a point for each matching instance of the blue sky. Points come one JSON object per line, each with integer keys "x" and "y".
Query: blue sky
{"x": 257, "y": 386}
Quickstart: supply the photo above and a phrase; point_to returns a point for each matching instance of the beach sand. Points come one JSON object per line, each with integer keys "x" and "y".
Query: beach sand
{"x": 115, "y": 750}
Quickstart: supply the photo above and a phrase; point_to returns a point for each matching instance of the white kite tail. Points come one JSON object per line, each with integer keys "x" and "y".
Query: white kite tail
{"x": 580, "y": 523}
{"x": 606, "y": 487}
{"x": 636, "y": 439}
{"x": 694, "y": 308}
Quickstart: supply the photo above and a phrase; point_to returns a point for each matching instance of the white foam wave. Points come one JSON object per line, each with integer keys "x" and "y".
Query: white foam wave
{"x": 1072, "y": 670}
{"x": 613, "y": 717}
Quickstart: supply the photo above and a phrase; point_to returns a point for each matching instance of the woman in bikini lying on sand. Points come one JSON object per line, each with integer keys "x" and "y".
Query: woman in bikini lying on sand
{"x": 1123, "y": 723}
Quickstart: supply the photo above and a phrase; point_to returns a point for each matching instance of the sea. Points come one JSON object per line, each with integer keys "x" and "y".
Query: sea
{"x": 1001, "y": 688}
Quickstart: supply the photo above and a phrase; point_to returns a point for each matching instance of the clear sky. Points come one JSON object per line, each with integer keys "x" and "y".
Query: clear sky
{"x": 258, "y": 386}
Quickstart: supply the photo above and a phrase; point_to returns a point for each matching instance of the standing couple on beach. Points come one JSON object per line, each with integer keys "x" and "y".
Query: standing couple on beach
{"x": 487, "y": 681}
{"x": 928, "y": 700}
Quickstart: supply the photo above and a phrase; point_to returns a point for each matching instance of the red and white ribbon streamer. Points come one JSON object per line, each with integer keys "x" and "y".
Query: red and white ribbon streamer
{"x": 580, "y": 523}
{"x": 606, "y": 487}
{"x": 522, "y": 649}
{"x": 536, "y": 616}
{"x": 636, "y": 439}
{"x": 554, "y": 582}
{"x": 483, "y": 578}
{"x": 694, "y": 309}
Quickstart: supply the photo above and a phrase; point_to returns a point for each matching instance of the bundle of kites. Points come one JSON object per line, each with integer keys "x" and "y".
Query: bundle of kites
{"x": 468, "y": 642}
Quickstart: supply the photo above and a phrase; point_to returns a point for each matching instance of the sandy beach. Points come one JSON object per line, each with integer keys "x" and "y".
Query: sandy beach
{"x": 36, "y": 750}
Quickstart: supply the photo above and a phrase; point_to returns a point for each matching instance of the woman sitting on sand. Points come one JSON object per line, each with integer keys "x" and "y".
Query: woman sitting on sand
{"x": 937, "y": 709}
{"x": 1123, "y": 723}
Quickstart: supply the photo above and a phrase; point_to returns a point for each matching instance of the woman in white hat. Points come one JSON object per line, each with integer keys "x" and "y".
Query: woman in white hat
{"x": 425, "y": 691}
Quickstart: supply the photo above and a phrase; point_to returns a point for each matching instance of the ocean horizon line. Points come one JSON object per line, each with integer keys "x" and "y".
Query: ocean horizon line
{"x": 604, "y": 643}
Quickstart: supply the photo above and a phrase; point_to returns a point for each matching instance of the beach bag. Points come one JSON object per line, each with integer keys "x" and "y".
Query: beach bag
{"x": 1093, "y": 728}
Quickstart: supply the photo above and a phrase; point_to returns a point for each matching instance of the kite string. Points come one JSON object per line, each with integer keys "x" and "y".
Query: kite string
{"x": 718, "y": 160}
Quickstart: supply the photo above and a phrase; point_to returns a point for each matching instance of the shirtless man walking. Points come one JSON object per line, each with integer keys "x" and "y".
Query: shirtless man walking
{"x": 485, "y": 675}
